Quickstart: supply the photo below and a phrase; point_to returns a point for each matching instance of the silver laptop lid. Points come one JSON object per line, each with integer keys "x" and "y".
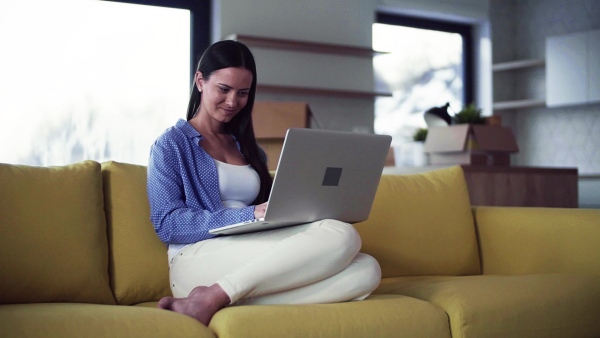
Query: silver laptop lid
{"x": 325, "y": 174}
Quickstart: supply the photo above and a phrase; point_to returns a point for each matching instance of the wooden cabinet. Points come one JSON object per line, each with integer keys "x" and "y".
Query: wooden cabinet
{"x": 522, "y": 186}
{"x": 573, "y": 69}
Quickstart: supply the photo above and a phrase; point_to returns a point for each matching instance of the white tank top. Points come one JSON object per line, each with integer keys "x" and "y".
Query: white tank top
{"x": 238, "y": 184}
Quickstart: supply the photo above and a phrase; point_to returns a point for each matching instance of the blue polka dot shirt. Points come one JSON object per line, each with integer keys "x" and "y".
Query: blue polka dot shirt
{"x": 183, "y": 189}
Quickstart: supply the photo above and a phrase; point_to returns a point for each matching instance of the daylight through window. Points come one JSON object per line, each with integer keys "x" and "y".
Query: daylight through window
{"x": 87, "y": 79}
{"x": 422, "y": 68}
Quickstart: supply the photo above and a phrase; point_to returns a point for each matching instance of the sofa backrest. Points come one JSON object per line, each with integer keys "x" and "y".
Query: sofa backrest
{"x": 138, "y": 264}
{"x": 422, "y": 224}
{"x": 53, "y": 245}
{"x": 517, "y": 241}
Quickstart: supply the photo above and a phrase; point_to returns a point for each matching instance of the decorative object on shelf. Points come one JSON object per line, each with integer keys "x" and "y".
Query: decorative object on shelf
{"x": 438, "y": 116}
{"x": 471, "y": 139}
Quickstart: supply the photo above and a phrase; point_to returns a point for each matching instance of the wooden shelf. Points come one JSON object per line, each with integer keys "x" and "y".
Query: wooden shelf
{"x": 304, "y": 46}
{"x": 519, "y": 64}
{"x": 310, "y": 47}
{"x": 522, "y": 186}
{"x": 517, "y": 104}
{"x": 317, "y": 91}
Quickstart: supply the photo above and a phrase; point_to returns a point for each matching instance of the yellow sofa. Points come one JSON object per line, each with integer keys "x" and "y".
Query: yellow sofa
{"x": 79, "y": 258}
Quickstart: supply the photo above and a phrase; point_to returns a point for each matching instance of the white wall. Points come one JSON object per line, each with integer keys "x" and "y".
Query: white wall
{"x": 345, "y": 22}
{"x": 340, "y": 21}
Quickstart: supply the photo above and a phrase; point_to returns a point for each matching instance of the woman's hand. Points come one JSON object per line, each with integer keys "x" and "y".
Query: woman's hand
{"x": 259, "y": 210}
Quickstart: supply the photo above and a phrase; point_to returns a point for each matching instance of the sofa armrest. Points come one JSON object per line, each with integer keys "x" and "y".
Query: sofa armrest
{"x": 516, "y": 240}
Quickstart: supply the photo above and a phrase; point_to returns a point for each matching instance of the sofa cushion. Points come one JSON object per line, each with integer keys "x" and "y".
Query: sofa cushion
{"x": 139, "y": 269}
{"x": 53, "y": 246}
{"x": 378, "y": 316}
{"x": 92, "y": 320}
{"x": 422, "y": 224}
{"x": 547, "y": 305}
{"x": 538, "y": 240}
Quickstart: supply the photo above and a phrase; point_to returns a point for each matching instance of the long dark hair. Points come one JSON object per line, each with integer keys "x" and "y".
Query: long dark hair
{"x": 225, "y": 54}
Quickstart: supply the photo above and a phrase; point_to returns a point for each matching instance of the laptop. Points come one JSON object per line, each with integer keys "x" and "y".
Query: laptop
{"x": 320, "y": 175}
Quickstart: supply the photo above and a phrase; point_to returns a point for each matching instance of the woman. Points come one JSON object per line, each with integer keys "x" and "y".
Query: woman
{"x": 208, "y": 172}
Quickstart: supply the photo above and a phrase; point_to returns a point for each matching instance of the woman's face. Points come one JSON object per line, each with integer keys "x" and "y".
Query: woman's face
{"x": 224, "y": 93}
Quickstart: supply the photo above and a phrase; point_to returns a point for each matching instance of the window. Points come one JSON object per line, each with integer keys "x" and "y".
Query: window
{"x": 89, "y": 79}
{"x": 426, "y": 64}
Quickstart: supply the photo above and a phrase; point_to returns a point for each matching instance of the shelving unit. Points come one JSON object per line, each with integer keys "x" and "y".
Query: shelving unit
{"x": 517, "y": 104}
{"x": 310, "y": 47}
{"x": 518, "y": 65}
{"x": 317, "y": 91}
{"x": 573, "y": 70}
{"x": 304, "y": 46}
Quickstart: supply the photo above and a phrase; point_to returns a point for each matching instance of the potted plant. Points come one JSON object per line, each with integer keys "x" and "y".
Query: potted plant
{"x": 420, "y": 135}
{"x": 417, "y": 151}
{"x": 469, "y": 114}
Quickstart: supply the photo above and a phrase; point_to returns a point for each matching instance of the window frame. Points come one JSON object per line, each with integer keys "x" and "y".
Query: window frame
{"x": 465, "y": 30}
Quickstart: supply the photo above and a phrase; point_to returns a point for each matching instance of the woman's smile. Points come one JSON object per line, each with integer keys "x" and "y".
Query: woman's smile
{"x": 230, "y": 111}
{"x": 224, "y": 93}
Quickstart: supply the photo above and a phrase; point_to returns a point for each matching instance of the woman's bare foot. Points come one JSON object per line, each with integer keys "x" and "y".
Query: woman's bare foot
{"x": 202, "y": 303}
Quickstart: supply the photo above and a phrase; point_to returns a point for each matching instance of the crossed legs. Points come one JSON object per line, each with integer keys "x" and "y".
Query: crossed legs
{"x": 311, "y": 263}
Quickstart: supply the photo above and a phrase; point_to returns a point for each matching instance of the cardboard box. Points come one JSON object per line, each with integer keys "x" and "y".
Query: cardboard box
{"x": 470, "y": 144}
{"x": 271, "y": 121}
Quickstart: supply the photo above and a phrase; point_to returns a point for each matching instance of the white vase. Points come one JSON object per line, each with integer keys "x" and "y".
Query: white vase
{"x": 420, "y": 159}
{"x": 410, "y": 154}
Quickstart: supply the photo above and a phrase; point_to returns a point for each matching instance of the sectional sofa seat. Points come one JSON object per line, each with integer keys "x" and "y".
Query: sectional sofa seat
{"x": 79, "y": 258}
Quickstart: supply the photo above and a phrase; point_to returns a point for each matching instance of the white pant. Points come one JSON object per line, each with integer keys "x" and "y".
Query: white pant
{"x": 311, "y": 263}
